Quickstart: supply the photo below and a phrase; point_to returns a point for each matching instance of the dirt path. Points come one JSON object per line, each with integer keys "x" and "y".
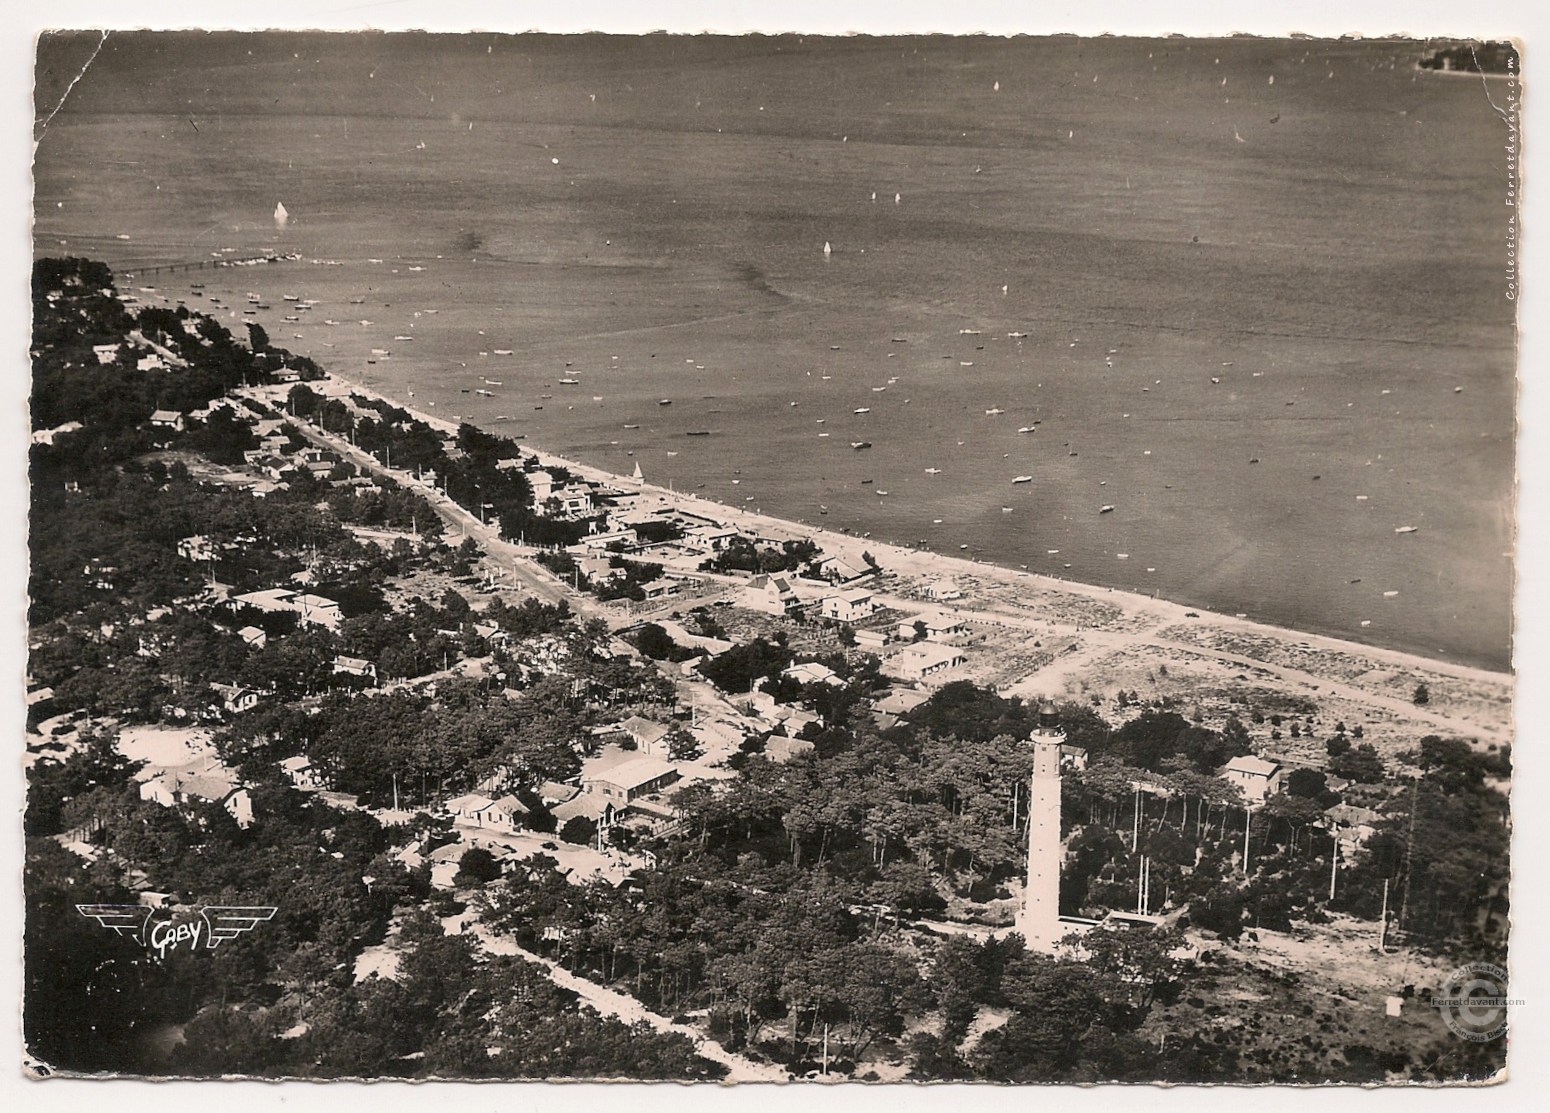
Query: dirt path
{"x": 611, "y": 1003}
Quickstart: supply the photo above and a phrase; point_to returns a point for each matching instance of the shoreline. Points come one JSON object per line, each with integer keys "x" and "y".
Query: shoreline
{"x": 926, "y": 566}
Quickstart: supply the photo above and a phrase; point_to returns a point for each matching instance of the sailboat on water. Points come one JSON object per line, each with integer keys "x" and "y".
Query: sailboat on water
{"x": 281, "y": 217}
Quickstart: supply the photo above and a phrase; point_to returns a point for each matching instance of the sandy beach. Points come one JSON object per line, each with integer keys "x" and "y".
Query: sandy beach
{"x": 1101, "y": 638}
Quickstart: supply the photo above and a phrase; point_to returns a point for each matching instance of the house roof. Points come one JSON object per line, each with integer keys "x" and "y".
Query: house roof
{"x": 643, "y": 728}
{"x": 925, "y": 656}
{"x": 900, "y": 700}
{"x": 1249, "y": 765}
{"x": 811, "y": 672}
{"x": 165, "y": 415}
{"x": 588, "y": 804}
{"x": 512, "y": 804}
{"x": 1352, "y": 816}
{"x": 635, "y": 772}
{"x": 469, "y": 802}
{"x": 553, "y": 791}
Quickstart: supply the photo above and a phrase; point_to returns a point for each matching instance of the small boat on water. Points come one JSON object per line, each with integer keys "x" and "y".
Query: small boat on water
{"x": 632, "y": 426}
{"x": 933, "y": 471}
{"x": 698, "y": 433}
{"x": 859, "y": 445}
{"x": 994, "y": 412}
{"x": 1106, "y": 509}
{"x": 862, "y": 410}
{"x": 665, "y": 402}
{"x": 486, "y": 393}
{"x": 502, "y": 351}
{"x": 1028, "y": 429}
{"x": 1026, "y": 479}
{"x": 569, "y": 382}
{"x": 493, "y": 382}
{"x": 1406, "y": 529}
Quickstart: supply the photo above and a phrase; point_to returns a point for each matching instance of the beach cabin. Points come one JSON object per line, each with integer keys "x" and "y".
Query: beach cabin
{"x": 105, "y": 353}
{"x": 938, "y": 627}
{"x": 871, "y": 639}
{"x": 943, "y": 591}
{"x": 1257, "y": 778}
{"x": 923, "y": 661}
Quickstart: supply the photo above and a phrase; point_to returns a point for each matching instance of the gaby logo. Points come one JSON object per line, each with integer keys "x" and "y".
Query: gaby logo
{"x": 216, "y": 923}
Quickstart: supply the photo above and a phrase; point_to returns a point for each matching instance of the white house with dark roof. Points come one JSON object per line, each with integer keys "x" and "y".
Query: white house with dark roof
{"x": 769, "y": 595}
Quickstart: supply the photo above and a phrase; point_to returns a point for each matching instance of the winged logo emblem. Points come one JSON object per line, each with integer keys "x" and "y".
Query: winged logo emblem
{"x": 122, "y": 919}
{"x": 217, "y": 923}
{"x": 227, "y": 921}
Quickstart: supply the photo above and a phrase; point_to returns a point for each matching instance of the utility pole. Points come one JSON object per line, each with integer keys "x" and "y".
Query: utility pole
{"x": 1334, "y": 864}
{"x": 1248, "y": 818}
{"x": 1404, "y": 901}
{"x": 1383, "y": 920}
{"x": 1135, "y": 830}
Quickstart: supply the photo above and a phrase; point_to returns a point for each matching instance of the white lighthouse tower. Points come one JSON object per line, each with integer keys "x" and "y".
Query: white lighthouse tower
{"x": 1038, "y": 921}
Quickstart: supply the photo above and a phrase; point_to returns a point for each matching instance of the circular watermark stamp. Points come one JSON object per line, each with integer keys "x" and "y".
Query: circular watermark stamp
{"x": 1473, "y": 1002}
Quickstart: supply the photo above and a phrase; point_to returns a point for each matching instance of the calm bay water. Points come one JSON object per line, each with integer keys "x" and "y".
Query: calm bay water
{"x": 1243, "y": 302}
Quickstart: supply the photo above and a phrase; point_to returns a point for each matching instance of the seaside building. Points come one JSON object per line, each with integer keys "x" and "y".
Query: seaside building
{"x": 871, "y": 639}
{"x": 848, "y": 606}
{"x": 939, "y": 627}
{"x": 769, "y": 595}
{"x": 919, "y": 662}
